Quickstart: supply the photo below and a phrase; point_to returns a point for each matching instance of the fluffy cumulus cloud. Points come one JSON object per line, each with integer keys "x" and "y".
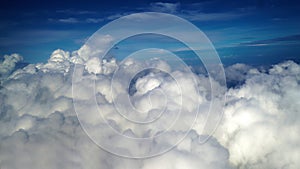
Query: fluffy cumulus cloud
{"x": 39, "y": 127}
{"x": 261, "y": 123}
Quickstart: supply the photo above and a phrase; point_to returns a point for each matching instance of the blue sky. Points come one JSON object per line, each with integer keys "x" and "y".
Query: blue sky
{"x": 242, "y": 31}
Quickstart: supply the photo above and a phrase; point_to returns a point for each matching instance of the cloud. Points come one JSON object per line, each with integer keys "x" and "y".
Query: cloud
{"x": 79, "y": 20}
{"x": 164, "y": 7}
{"x": 262, "y": 119}
{"x": 274, "y": 41}
{"x": 37, "y": 117}
{"x": 76, "y": 12}
{"x": 191, "y": 154}
{"x": 39, "y": 126}
{"x": 201, "y": 16}
{"x": 192, "y": 12}
{"x": 88, "y": 20}
{"x": 237, "y": 74}
{"x": 9, "y": 64}
{"x": 68, "y": 20}
{"x": 94, "y": 20}
{"x": 189, "y": 12}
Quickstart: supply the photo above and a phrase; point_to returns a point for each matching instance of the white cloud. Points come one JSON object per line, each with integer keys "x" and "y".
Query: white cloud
{"x": 94, "y": 20}
{"x": 37, "y": 116}
{"x": 195, "y": 12}
{"x": 201, "y": 16}
{"x": 237, "y": 74}
{"x": 39, "y": 127}
{"x": 262, "y": 119}
{"x": 165, "y": 7}
{"x": 68, "y": 20}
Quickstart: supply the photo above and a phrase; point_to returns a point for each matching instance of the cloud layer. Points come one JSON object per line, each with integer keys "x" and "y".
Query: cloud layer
{"x": 39, "y": 127}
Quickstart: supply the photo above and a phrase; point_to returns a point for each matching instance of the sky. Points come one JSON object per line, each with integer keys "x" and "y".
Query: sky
{"x": 250, "y": 32}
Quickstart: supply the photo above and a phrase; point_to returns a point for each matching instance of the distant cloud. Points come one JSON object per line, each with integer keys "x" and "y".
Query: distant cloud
{"x": 165, "y": 7}
{"x": 188, "y": 11}
{"x": 274, "y": 41}
{"x": 88, "y": 20}
{"x": 76, "y": 12}
{"x": 201, "y": 16}
{"x": 78, "y": 20}
{"x": 191, "y": 13}
{"x": 115, "y": 16}
{"x": 68, "y": 20}
{"x": 94, "y": 20}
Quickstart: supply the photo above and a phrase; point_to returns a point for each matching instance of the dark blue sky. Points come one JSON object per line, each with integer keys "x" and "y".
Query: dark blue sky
{"x": 242, "y": 31}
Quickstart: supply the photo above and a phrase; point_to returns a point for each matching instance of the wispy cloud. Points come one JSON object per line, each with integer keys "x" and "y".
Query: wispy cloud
{"x": 73, "y": 12}
{"x": 68, "y": 20}
{"x": 94, "y": 20}
{"x": 88, "y": 20}
{"x": 115, "y": 16}
{"x": 274, "y": 41}
{"x": 77, "y": 20}
{"x": 188, "y": 11}
{"x": 201, "y": 16}
{"x": 165, "y": 7}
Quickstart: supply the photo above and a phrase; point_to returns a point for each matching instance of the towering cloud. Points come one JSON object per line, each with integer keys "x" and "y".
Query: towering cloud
{"x": 261, "y": 121}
